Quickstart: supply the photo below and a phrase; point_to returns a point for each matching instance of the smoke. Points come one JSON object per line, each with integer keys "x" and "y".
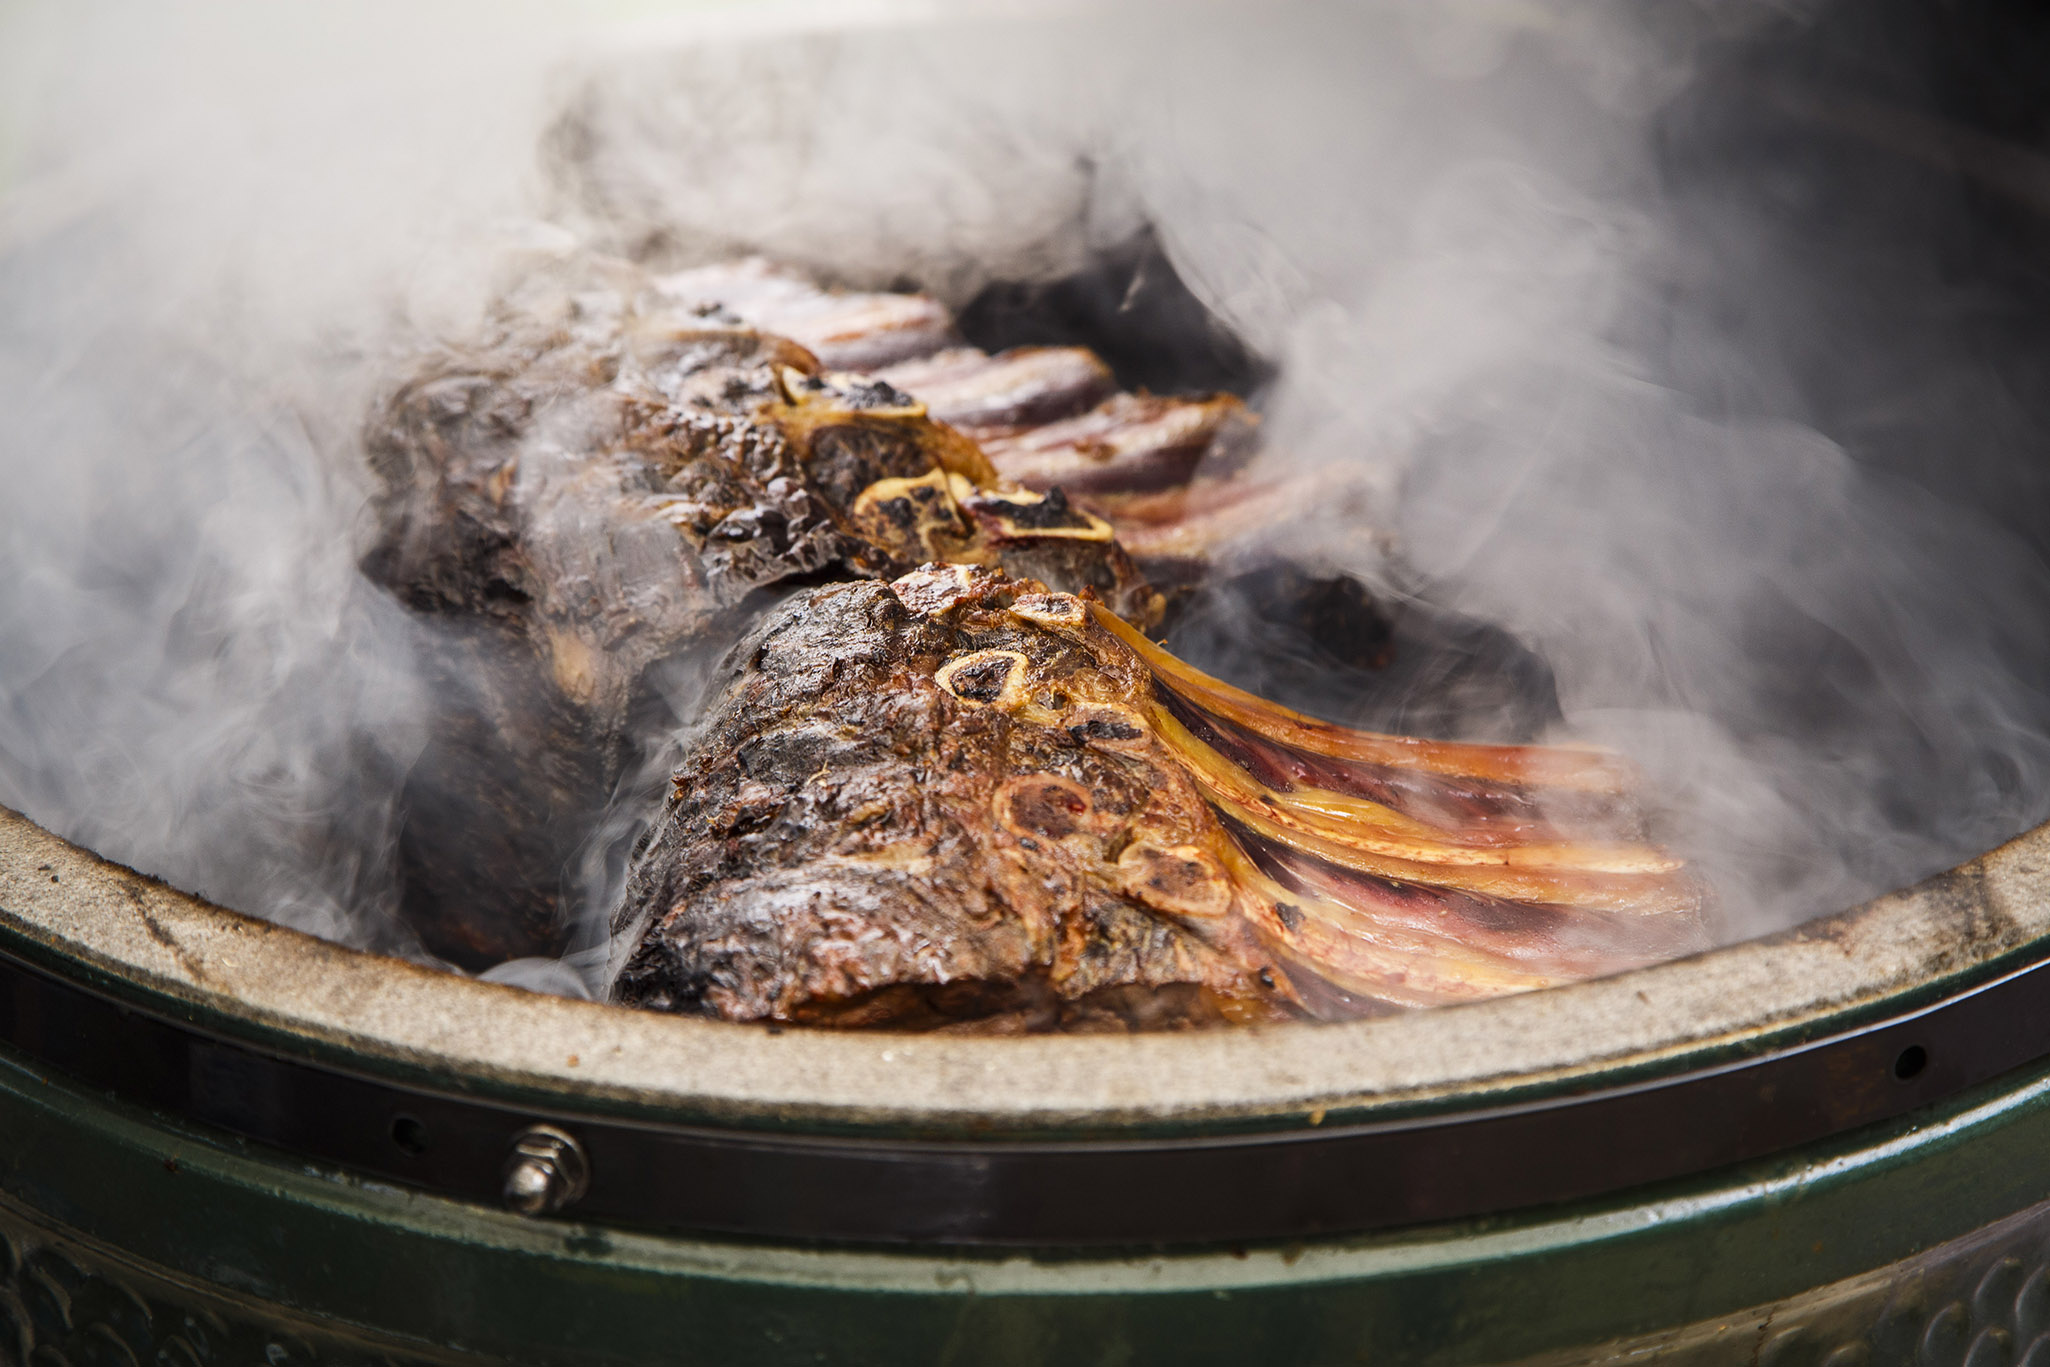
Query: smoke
{"x": 1735, "y": 437}
{"x": 215, "y": 220}
{"x": 1598, "y": 311}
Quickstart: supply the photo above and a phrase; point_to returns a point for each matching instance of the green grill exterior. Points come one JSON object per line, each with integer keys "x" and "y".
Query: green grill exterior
{"x": 127, "y": 1239}
{"x": 129, "y": 1233}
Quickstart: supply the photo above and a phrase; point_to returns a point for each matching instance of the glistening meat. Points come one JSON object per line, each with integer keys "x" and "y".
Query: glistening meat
{"x": 969, "y": 791}
{"x": 602, "y": 483}
{"x": 961, "y": 800}
{"x": 1046, "y": 416}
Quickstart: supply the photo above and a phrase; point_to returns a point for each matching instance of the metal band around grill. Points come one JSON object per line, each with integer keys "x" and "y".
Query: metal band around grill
{"x": 1217, "y": 1189}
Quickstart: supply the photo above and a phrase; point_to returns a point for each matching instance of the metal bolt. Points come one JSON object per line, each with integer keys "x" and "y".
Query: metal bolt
{"x": 545, "y": 1172}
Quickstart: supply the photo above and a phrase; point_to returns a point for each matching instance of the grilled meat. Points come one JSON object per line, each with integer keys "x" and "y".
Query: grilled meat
{"x": 1164, "y": 471}
{"x": 962, "y": 800}
{"x": 1045, "y": 416}
{"x": 609, "y": 480}
{"x": 845, "y": 330}
{"x": 957, "y": 788}
{"x": 917, "y": 805}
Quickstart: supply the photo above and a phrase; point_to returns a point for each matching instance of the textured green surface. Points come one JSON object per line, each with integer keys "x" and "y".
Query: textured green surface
{"x": 501, "y": 1287}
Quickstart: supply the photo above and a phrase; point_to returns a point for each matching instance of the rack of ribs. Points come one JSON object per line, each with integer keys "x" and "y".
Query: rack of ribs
{"x": 960, "y": 800}
{"x": 1161, "y": 468}
{"x": 944, "y": 779}
{"x": 606, "y": 481}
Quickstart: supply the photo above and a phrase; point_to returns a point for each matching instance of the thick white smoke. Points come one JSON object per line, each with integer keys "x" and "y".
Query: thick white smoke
{"x": 215, "y": 218}
{"x": 1514, "y": 290}
{"x": 1502, "y": 320}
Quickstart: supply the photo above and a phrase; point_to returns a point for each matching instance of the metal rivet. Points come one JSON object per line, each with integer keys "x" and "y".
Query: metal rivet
{"x": 545, "y": 1171}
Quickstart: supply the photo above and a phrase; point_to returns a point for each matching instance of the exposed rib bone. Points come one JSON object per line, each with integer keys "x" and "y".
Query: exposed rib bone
{"x": 1552, "y": 940}
{"x": 1638, "y": 894}
{"x": 1566, "y": 767}
{"x": 1371, "y": 829}
{"x": 1330, "y": 941}
{"x": 1355, "y": 879}
{"x": 1000, "y": 395}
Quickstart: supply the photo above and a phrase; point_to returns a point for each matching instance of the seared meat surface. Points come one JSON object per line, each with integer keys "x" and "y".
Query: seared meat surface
{"x": 1046, "y": 416}
{"x": 944, "y": 780}
{"x": 962, "y": 800}
{"x": 937, "y": 801}
{"x": 1164, "y": 470}
{"x": 605, "y": 482}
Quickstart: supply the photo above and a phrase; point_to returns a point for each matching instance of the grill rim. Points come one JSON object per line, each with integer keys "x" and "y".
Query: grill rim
{"x": 1665, "y": 1257}
{"x": 280, "y": 991}
{"x": 1122, "y": 1193}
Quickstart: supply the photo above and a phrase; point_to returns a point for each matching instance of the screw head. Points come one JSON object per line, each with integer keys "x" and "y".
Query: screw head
{"x": 545, "y": 1171}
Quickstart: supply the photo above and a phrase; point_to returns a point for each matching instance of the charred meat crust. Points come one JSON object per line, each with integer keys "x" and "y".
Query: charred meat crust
{"x": 607, "y": 481}
{"x": 913, "y": 806}
{"x": 961, "y": 801}
{"x": 955, "y": 801}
